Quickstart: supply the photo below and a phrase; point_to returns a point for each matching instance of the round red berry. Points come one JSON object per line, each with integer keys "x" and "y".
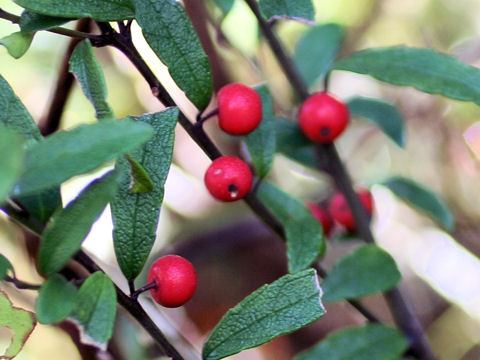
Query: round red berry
{"x": 228, "y": 178}
{"x": 239, "y": 109}
{"x": 323, "y": 118}
{"x": 175, "y": 280}
{"x": 323, "y": 217}
{"x": 340, "y": 210}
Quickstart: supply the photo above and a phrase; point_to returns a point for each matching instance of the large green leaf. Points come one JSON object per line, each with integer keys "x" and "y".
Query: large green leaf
{"x": 88, "y": 72}
{"x": 367, "y": 270}
{"x": 170, "y": 34}
{"x": 261, "y": 142}
{"x": 225, "y": 5}
{"x": 291, "y": 302}
{"x": 31, "y": 21}
{"x": 5, "y": 267}
{"x": 422, "y": 198}
{"x": 11, "y": 160}
{"x": 135, "y": 215}
{"x": 69, "y": 153}
{"x": 385, "y": 116}
{"x": 370, "y": 342}
{"x": 95, "y": 309}
{"x": 424, "y": 69}
{"x": 316, "y": 51}
{"x": 68, "y": 228}
{"x": 20, "y": 321}
{"x": 55, "y": 300}
{"x": 14, "y": 115}
{"x": 292, "y": 9}
{"x": 17, "y": 43}
{"x": 101, "y": 10}
{"x": 305, "y": 240}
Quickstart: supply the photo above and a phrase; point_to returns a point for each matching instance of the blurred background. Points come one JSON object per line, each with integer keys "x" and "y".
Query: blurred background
{"x": 235, "y": 253}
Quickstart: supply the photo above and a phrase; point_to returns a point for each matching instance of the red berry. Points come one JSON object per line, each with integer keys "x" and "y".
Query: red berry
{"x": 239, "y": 109}
{"x": 175, "y": 280}
{"x": 228, "y": 178}
{"x": 323, "y": 217}
{"x": 323, "y": 118}
{"x": 340, "y": 211}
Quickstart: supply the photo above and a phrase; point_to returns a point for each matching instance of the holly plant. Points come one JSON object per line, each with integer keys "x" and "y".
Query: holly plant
{"x": 242, "y": 123}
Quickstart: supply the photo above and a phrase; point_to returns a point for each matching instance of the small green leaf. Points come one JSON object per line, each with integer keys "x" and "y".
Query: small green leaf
{"x": 422, "y": 198}
{"x": 5, "y": 267}
{"x": 55, "y": 300}
{"x": 225, "y": 5}
{"x": 424, "y": 69}
{"x": 88, "y": 72}
{"x": 68, "y": 153}
{"x": 14, "y": 115}
{"x": 365, "y": 271}
{"x": 171, "y": 35}
{"x": 305, "y": 240}
{"x": 316, "y": 51}
{"x": 140, "y": 181}
{"x": 42, "y": 206}
{"x": 291, "y": 9}
{"x": 135, "y": 215}
{"x": 370, "y": 342}
{"x": 95, "y": 309}
{"x": 286, "y": 305}
{"x": 31, "y": 21}
{"x": 17, "y": 43}
{"x": 385, "y": 116}
{"x": 292, "y": 143}
{"x": 68, "y": 228}
{"x": 11, "y": 160}
{"x": 20, "y": 321}
{"x": 100, "y": 10}
{"x": 261, "y": 143}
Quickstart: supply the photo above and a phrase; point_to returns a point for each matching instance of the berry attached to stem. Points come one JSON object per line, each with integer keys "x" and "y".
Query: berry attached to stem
{"x": 342, "y": 214}
{"x": 175, "y": 280}
{"x": 323, "y": 118}
{"x": 228, "y": 178}
{"x": 239, "y": 109}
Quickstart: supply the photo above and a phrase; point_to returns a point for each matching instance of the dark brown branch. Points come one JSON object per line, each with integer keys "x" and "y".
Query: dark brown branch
{"x": 21, "y": 284}
{"x": 51, "y": 122}
{"x": 400, "y": 306}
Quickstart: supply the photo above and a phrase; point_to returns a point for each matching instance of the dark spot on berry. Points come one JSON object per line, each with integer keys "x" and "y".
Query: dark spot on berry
{"x": 325, "y": 131}
{"x": 233, "y": 190}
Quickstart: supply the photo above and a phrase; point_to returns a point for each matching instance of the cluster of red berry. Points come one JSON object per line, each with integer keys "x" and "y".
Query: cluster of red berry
{"x": 322, "y": 119}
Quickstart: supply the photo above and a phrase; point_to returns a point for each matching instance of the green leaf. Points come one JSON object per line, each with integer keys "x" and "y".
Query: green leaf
{"x": 305, "y": 240}
{"x": 88, "y": 72}
{"x": 135, "y": 215}
{"x": 17, "y": 43}
{"x": 68, "y": 228}
{"x": 365, "y": 271}
{"x": 286, "y": 305}
{"x": 424, "y": 69}
{"x": 170, "y": 34}
{"x": 370, "y": 342}
{"x": 291, "y": 9}
{"x": 225, "y": 5}
{"x": 292, "y": 143}
{"x": 68, "y": 153}
{"x": 100, "y": 10}
{"x": 140, "y": 181}
{"x": 20, "y": 321}
{"x": 261, "y": 143}
{"x": 11, "y": 160}
{"x": 42, "y": 206}
{"x": 316, "y": 51}
{"x": 95, "y": 309}
{"x": 5, "y": 267}
{"x": 55, "y": 300}
{"x": 422, "y": 198}
{"x": 14, "y": 115}
{"x": 385, "y": 116}
{"x": 31, "y": 21}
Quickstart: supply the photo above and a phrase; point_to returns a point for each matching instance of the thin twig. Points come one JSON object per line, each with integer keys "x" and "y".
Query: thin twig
{"x": 400, "y": 306}
{"x": 19, "y": 284}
